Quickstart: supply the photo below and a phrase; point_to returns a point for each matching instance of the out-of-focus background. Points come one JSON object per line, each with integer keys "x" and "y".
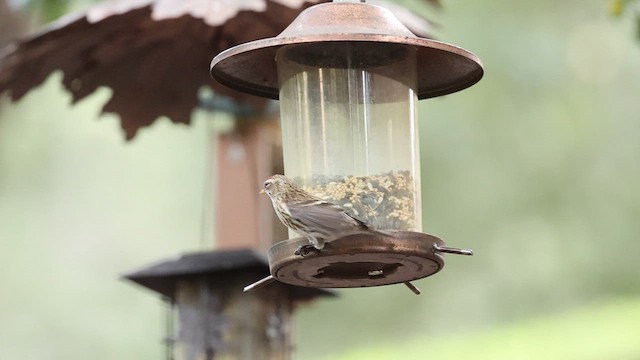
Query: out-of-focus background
{"x": 537, "y": 168}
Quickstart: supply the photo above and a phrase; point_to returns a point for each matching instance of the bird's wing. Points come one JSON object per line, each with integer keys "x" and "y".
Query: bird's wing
{"x": 324, "y": 217}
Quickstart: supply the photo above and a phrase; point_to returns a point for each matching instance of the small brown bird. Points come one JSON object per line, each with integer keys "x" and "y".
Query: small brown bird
{"x": 317, "y": 220}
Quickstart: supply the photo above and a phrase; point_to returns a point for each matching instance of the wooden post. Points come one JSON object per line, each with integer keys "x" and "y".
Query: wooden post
{"x": 218, "y": 321}
{"x": 215, "y": 318}
{"x": 245, "y": 158}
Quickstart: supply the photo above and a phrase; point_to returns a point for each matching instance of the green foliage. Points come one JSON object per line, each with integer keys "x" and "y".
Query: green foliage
{"x": 46, "y": 11}
{"x": 620, "y": 8}
{"x": 535, "y": 168}
{"x": 607, "y": 330}
{"x": 617, "y": 7}
{"x": 49, "y": 10}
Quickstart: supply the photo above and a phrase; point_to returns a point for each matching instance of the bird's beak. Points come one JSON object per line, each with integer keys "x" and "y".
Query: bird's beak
{"x": 262, "y": 191}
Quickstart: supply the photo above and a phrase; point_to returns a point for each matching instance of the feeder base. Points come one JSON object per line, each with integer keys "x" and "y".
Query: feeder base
{"x": 359, "y": 260}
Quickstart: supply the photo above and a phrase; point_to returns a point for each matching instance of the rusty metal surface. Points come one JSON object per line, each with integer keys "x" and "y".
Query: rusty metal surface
{"x": 358, "y": 260}
{"x": 219, "y": 321}
{"x": 251, "y": 67}
{"x": 220, "y": 267}
{"x": 154, "y": 64}
{"x": 153, "y": 54}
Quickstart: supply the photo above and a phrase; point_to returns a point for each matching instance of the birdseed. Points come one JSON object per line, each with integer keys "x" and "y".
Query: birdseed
{"x": 384, "y": 201}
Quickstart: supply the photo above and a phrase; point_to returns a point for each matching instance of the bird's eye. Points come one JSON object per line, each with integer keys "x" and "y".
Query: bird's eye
{"x": 267, "y": 184}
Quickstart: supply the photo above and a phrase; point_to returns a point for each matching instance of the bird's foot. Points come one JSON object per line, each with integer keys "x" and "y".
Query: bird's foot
{"x": 305, "y": 250}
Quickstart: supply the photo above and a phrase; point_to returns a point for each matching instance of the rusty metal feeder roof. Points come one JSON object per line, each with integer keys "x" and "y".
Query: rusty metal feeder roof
{"x": 251, "y": 67}
{"x": 219, "y": 266}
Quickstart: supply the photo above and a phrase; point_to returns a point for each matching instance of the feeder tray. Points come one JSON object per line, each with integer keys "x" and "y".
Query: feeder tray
{"x": 361, "y": 259}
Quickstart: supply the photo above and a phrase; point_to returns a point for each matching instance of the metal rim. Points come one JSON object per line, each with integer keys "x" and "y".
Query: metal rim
{"x": 358, "y": 260}
{"x": 251, "y": 67}
{"x": 438, "y": 58}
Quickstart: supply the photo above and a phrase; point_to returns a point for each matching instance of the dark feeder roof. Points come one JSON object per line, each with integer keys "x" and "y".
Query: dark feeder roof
{"x": 218, "y": 265}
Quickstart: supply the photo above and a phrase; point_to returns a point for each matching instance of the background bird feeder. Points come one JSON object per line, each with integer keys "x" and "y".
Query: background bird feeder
{"x": 214, "y": 318}
{"x": 348, "y": 76}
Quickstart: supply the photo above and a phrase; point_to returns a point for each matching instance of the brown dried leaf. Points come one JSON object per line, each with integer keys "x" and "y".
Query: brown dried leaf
{"x": 154, "y": 67}
{"x": 154, "y": 55}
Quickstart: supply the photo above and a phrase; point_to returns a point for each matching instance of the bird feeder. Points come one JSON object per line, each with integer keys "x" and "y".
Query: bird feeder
{"x": 214, "y": 318}
{"x": 348, "y": 76}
